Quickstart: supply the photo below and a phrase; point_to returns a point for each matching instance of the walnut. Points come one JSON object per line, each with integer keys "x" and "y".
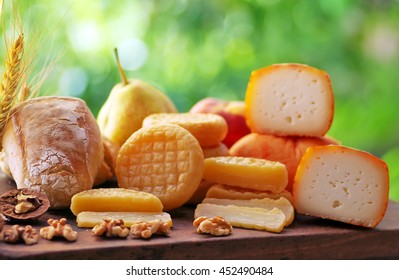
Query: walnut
{"x": 58, "y": 228}
{"x": 147, "y": 229}
{"x": 16, "y": 233}
{"x": 216, "y": 226}
{"x": 23, "y": 204}
{"x": 111, "y": 228}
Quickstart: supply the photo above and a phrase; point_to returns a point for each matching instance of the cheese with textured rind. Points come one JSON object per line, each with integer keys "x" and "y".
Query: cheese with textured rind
{"x": 342, "y": 184}
{"x": 91, "y": 219}
{"x": 245, "y": 217}
{"x": 289, "y": 99}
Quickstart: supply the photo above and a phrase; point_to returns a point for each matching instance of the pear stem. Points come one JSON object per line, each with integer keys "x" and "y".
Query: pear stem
{"x": 121, "y": 72}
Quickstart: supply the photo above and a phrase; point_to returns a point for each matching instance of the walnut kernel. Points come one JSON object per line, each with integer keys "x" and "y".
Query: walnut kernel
{"x": 16, "y": 233}
{"x": 111, "y": 228}
{"x": 216, "y": 226}
{"x": 26, "y": 203}
{"x": 147, "y": 229}
{"x": 58, "y": 228}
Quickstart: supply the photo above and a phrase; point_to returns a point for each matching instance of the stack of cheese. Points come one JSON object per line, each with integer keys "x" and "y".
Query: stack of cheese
{"x": 252, "y": 207}
{"x": 290, "y": 108}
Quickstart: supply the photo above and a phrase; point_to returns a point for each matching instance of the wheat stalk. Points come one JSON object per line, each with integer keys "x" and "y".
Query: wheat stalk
{"x": 11, "y": 78}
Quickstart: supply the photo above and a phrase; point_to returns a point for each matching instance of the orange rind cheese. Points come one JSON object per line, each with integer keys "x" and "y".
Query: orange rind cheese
{"x": 342, "y": 184}
{"x": 289, "y": 99}
{"x": 208, "y": 129}
{"x": 251, "y": 173}
{"x": 115, "y": 200}
{"x": 164, "y": 160}
{"x": 285, "y": 149}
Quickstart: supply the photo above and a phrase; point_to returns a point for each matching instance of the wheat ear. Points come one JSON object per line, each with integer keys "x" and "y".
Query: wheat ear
{"x": 11, "y": 78}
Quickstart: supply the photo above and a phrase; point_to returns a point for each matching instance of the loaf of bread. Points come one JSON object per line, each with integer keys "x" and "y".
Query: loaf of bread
{"x": 342, "y": 184}
{"x": 53, "y": 144}
{"x": 289, "y": 99}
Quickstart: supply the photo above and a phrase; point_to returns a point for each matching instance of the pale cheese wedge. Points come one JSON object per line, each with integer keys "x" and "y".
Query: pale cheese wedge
{"x": 89, "y": 219}
{"x": 245, "y": 217}
{"x": 289, "y": 99}
{"x": 266, "y": 203}
{"x": 342, "y": 184}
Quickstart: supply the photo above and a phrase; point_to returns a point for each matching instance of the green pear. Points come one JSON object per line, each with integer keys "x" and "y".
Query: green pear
{"x": 128, "y": 103}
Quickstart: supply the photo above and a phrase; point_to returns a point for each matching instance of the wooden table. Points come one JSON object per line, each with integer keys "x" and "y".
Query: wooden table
{"x": 306, "y": 238}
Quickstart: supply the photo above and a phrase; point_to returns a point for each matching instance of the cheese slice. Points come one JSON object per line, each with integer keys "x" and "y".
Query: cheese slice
{"x": 90, "y": 219}
{"x": 115, "y": 200}
{"x": 245, "y": 217}
{"x": 342, "y": 184}
{"x": 289, "y": 99}
{"x": 252, "y": 173}
{"x": 266, "y": 203}
{"x": 231, "y": 192}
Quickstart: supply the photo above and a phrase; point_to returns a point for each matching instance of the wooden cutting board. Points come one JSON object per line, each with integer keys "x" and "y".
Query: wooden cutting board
{"x": 306, "y": 238}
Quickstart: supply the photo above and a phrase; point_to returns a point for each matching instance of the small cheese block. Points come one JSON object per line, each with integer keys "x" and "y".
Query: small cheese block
{"x": 115, "y": 200}
{"x": 246, "y": 172}
{"x": 90, "y": 219}
{"x": 342, "y": 184}
{"x": 289, "y": 99}
{"x": 267, "y": 203}
{"x": 245, "y": 217}
{"x": 285, "y": 149}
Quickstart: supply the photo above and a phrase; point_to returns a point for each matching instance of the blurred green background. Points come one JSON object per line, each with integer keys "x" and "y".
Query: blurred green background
{"x": 194, "y": 49}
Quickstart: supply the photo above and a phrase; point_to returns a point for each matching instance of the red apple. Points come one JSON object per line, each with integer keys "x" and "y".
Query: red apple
{"x": 231, "y": 111}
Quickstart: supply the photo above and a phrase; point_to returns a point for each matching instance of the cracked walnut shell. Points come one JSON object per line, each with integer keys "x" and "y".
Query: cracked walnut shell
{"x": 23, "y": 204}
{"x": 216, "y": 226}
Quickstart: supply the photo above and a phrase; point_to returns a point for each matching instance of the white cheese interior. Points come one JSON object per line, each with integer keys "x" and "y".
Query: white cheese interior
{"x": 342, "y": 186}
{"x": 292, "y": 101}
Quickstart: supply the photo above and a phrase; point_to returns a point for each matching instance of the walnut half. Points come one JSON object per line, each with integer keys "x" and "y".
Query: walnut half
{"x": 16, "y": 233}
{"x": 216, "y": 226}
{"x": 23, "y": 204}
{"x": 111, "y": 228}
{"x": 147, "y": 229}
{"x": 58, "y": 228}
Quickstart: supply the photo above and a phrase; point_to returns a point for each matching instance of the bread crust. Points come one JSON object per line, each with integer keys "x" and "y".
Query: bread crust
{"x": 53, "y": 144}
